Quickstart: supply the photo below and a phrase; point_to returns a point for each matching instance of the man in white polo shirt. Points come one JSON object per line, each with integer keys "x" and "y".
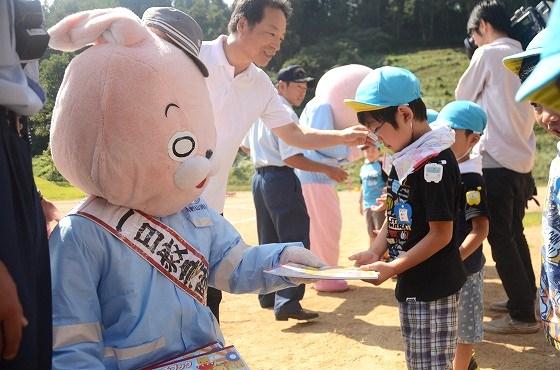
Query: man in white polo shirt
{"x": 242, "y": 93}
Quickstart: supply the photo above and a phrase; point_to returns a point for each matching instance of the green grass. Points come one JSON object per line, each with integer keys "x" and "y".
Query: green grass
{"x": 532, "y": 219}
{"x": 53, "y": 191}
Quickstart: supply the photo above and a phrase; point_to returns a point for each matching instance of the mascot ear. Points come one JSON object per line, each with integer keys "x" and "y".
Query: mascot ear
{"x": 117, "y": 26}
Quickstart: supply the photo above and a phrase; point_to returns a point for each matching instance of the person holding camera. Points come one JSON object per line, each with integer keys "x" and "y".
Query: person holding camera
{"x": 508, "y": 150}
{"x": 25, "y": 290}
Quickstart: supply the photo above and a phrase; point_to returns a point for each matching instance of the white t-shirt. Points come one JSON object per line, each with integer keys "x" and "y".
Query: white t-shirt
{"x": 237, "y": 102}
{"x": 508, "y": 137}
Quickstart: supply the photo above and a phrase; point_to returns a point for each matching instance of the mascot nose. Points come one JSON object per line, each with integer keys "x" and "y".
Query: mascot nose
{"x": 209, "y": 153}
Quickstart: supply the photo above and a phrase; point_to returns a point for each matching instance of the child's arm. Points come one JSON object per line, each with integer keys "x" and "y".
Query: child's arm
{"x": 375, "y": 252}
{"x": 439, "y": 236}
{"x": 480, "y": 227}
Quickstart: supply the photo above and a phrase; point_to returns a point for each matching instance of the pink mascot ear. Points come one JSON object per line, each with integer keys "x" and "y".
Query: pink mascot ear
{"x": 117, "y": 25}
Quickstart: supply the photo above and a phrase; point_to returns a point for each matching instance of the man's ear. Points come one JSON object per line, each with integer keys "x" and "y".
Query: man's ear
{"x": 242, "y": 24}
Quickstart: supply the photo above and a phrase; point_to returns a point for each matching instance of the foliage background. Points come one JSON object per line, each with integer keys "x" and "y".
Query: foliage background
{"x": 424, "y": 36}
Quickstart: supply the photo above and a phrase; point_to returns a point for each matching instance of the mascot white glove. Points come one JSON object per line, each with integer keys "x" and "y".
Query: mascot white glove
{"x": 300, "y": 255}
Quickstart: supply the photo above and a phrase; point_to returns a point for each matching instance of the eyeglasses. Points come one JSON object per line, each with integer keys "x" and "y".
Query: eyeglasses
{"x": 372, "y": 134}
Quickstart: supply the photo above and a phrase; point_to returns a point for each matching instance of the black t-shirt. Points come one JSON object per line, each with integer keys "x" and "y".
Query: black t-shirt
{"x": 473, "y": 204}
{"x": 431, "y": 193}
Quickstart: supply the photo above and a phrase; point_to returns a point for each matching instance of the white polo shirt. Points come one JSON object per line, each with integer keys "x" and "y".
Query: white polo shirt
{"x": 237, "y": 102}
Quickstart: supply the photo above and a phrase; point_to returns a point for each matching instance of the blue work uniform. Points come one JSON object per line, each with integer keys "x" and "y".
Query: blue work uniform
{"x": 279, "y": 203}
{"x": 113, "y": 310}
{"x": 318, "y": 114}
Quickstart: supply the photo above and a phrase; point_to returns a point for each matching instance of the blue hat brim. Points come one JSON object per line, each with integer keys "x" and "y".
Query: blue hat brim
{"x": 513, "y": 62}
{"x": 545, "y": 72}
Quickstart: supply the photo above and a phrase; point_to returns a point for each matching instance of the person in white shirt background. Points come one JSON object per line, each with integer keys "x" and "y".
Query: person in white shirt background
{"x": 508, "y": 150}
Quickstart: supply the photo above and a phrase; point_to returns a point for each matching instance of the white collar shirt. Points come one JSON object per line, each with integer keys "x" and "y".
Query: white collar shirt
{"x": 237, "y": 101}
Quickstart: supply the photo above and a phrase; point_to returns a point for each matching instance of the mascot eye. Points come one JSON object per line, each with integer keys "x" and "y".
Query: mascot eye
{"x": 169, "y": 106}
{"x": 181, "y": 145}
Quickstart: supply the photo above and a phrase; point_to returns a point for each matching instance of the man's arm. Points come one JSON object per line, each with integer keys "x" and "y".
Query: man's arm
{"x": 307, "y": 138}
{"x": 301, "y": 163}
{"x": 473, "y": 80}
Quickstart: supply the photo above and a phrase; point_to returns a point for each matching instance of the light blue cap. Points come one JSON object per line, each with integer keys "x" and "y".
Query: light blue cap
{"x": 432, "y": 115}
{"x": 463, "y": 114}
{"x": 385, "y": 87}
{"x": 541, "y": 85}
{"x": 513, "y": 62}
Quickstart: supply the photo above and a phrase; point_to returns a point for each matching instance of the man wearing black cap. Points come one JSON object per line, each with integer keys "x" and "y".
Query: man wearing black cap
{"x": 279, "y": 203}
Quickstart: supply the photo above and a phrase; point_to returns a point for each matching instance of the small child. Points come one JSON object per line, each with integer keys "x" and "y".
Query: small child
{"x": 468, "y": 120}
{"x": 373, "y": 181}
{"x": 422, "y": 201}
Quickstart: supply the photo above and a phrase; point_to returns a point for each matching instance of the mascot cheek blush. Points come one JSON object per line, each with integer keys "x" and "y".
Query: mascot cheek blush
{"x": 133, "y": 128}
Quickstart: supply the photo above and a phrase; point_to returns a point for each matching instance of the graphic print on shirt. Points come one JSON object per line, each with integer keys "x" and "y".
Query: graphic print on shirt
{"x": 399, "y": 217}
{"x": 550, "y": 274}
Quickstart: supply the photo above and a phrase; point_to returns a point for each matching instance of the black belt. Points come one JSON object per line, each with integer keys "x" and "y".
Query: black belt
{"x": 273, "y": 169}
{"x": 15, "y": 120}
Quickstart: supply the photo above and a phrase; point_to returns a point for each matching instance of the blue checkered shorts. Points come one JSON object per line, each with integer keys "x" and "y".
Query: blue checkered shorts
{"x": 429, "y": 330}
{"x": 470, "y": 310}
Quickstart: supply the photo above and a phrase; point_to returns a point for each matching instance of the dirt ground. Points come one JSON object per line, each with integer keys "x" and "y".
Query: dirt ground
{"x": 357, "y": 329}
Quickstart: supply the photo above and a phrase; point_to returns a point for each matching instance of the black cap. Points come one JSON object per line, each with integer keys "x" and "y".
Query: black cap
{"x": 181, "y": 28}
{"x": 293, "y": 73}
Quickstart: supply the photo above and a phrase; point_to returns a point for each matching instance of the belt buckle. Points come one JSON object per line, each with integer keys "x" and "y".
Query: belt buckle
{"x": 19, "y": 125}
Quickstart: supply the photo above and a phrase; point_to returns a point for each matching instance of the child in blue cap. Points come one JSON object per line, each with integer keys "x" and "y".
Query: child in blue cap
{"x": 542, "y": 88}
{"x": 373, "y": 181}
{"x": 422, "y": 200}
{"x": 468, "y": 120}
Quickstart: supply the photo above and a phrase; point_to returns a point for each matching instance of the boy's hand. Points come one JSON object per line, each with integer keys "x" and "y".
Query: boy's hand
{"x": 381, "y": 203}
{"x": 386, "y": 271}
{"x": 364, "y": 258}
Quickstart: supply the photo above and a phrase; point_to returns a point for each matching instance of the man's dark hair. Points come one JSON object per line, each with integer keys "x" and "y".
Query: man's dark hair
{"x": 491, "y": 11}
{"x": 417, "y": 107}
{"x": 253, "y": 10}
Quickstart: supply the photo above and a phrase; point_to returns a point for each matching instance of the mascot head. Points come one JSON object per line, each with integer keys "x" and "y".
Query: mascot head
{"x": 132, "y": 122}
{"x": 338, "y": 84}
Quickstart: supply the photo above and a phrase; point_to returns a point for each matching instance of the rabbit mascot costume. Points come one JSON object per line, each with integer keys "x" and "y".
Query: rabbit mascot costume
{"x": 133, "y": 128}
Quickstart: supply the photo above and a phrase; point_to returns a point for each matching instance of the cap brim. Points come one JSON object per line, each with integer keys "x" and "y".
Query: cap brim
{"x": 194, "y": 57}
{"x": 306, "y": 79}
{"x": 179, "y": 43}
{"x": 361, "y": 107}
{"x": 545, "y": 72}
{"x": 513, "y": 62}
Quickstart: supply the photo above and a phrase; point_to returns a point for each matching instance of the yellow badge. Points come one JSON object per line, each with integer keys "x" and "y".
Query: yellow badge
{"x": 473, "y": 197}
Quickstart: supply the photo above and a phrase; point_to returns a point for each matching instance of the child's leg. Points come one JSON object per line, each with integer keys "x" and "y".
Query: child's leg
{"x": 470, "y": 314}
{"x": 429, "y": 330}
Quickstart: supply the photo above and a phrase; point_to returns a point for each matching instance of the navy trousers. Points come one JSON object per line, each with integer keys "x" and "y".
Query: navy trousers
{"x": 281, "y": 217}
{"x": 24, "y": 247}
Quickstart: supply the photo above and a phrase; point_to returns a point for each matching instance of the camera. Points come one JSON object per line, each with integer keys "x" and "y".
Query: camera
{"x": 525, "y": 24}
{"x": 31, "y": 39}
